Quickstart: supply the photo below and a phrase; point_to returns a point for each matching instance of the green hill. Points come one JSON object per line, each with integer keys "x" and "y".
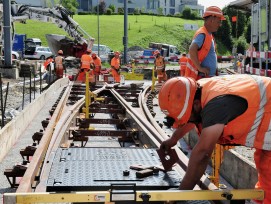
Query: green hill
{"x": 142, "y": 29}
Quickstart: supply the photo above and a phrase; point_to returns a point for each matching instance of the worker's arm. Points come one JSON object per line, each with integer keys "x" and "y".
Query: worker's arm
{"x": 193, "y": 52}
{"x": 200, "y": 156}
{"x": 176, "y": 136}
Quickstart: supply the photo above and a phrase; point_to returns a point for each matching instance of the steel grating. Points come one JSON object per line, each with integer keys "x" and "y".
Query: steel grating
{"x": 82, "y": 169}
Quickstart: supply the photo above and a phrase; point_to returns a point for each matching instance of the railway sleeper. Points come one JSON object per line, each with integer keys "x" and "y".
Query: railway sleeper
{"x": 13, "y": 174}
{"x": 28, "y": 152}
{"x": 37, "y": 136}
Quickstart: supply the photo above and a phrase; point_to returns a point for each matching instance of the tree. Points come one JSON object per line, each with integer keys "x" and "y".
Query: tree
{"x": 160, "y": 11}
{"x": 102, "y": 7}
{"x": 224, "y": 34}
{"x": 112, "y": 7}
{"x": 71, "y": 5}
{"x": 187, "y": 13}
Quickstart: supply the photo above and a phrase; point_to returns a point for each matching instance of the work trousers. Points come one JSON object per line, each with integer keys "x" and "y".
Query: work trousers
{"x": 263, "y": 164}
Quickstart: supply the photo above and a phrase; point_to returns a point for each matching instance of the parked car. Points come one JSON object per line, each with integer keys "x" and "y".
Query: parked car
{"x": 39, "y": 52}
{"x": 104, "y": 51}
{"x": 14, "y": 55}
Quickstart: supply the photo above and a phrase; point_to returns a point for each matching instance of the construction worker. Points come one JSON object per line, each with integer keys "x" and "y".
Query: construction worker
{"x": 160, "y": 66}
{"x": 231, "y": 109}
{"x": 202, "y": 61}
{"x": 182, "y": 62}
{"x": 59, "y": 64}
{"x": 86, "y": 65}
{"x": 115, "y": 66}
{"x": 97, "y": 65}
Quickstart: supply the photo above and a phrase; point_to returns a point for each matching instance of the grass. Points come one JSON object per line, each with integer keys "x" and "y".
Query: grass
{"x": 142, "y": 29}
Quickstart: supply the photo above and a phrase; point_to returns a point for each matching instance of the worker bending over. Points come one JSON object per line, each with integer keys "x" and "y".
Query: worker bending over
{"x": 232, "y": 110}
{"x": 97, "y": 65}
{"x": 115, "y": 66}
{"x": 59, "y": 64}
{"x": 202, "y": 61}
{"x": 86, "y": 65}
{"x": 160, "y": 66}
{"x": 183, "y": 62}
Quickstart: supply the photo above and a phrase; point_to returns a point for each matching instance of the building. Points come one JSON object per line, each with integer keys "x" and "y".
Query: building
{"x": 36, "y": 3}
{"x": 151, "y": 6}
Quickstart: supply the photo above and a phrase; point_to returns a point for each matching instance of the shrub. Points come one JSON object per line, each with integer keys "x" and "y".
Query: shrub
{"x": 108, "y": 11}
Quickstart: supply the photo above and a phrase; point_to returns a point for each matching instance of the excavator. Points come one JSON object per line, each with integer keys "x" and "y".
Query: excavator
{"x": 74, "y": 45}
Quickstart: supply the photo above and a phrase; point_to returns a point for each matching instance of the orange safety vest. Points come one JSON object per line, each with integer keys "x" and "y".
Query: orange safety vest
{"x": 183, "y": 62}
{"x": 98, "y": 64}
{"x": 86, "y": 60}
{"x": 159, "y": 63}
{"x": 191, "y": 70}
{"x": 253, "y": 127}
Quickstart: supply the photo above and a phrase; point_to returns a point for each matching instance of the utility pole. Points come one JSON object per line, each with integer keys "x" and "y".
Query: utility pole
{"x": 7, "y": 33}
{"x": 125, "y": 37}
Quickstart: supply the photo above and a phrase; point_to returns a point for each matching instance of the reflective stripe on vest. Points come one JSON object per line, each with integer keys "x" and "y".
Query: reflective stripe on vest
{"x": 253, "y": 127}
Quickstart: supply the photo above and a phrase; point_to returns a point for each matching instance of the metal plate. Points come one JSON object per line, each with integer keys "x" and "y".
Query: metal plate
{"x": 81, "y": 169}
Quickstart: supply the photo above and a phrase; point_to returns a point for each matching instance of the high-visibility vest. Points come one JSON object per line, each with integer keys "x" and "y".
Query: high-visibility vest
{"x": 159, "y": 63}
{"x": 191, "y": 70}
{"x": 183, "y": 62}
{"x": 253, "y": 127}
{"x": 86, "y": 60}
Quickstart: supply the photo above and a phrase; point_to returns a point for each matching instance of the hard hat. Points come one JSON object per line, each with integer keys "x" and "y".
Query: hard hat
{"x": 117, "y": 53}
{"x": 89, "y": 50}
{"x": 176, "y": 98}
{"x": 156, "y": 52}
{"x": 60, "y": 52}
{"x": 93, "y": 54}
{"x": 214, "y": 11}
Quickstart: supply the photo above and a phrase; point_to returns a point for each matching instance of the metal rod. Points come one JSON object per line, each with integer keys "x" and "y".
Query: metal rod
{"x": 2, "y": 107}
{"x": 30, "y": 85}
{"x": 23, "y": 93}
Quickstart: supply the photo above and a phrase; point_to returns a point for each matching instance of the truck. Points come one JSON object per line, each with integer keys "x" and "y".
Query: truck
{"x": 169, "y": 52}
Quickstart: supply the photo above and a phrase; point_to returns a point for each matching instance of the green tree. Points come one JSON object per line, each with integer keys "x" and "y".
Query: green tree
{"x": 224, "y": 34}
{"x": 160, "y": 11}
{"x": 71, "y": 5}
{"x": 187, "y": 13}
{"x": 112, "y": 7}
{"x": 248, "y": 31}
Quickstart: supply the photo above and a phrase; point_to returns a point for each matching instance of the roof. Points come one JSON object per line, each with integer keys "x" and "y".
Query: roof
{"x": 243, "y": 4}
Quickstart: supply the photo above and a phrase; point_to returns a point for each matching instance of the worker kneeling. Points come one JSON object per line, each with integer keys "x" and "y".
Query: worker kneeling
{"x": 219, "y": 107}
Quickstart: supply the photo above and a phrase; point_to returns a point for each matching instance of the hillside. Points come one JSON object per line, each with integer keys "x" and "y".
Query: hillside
{"x": 142, "y": 29}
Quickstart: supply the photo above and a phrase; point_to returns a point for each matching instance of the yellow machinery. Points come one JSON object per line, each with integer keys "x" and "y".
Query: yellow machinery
{"x": 131, "y": 195}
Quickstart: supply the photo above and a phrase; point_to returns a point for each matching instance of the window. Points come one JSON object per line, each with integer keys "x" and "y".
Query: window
{"x": 120, "y": 1}
{"x": 172, "y": 3}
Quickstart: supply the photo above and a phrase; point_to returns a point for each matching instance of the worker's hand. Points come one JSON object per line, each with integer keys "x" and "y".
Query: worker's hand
{"x": 204, "y": 70}
{"x": 167, "y": 144}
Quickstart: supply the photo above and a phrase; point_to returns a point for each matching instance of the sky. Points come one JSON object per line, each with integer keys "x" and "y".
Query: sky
{"x": 219, "y": 3}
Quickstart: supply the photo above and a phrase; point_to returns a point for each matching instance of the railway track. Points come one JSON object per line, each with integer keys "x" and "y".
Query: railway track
{"x": 108, "y": 146}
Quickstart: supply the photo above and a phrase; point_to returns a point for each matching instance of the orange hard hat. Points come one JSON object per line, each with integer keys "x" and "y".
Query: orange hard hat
{"x": 214, "y": 11}
{"x": 156, "y": 52}
{"x": 89, "y": 50}
{"x": 176, "y": 98}
{"x": 60, "y": 52}
{"x": 117, "y": 53}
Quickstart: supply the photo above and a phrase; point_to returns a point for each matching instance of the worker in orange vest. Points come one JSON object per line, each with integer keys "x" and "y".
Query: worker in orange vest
{"x": 97, "y": 65}
{"x": 182, "y": 62}
{"x": 115, "y": 66}
{"x": 59, "y": 64}
{"x": 160, "y": 66}
{"x": 202, "y": 58}
{"x": 232, "y": 109}
{"x": 86, "y": 65}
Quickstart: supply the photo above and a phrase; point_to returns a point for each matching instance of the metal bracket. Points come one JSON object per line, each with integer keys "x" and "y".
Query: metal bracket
{"x": 145, "y": 197}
